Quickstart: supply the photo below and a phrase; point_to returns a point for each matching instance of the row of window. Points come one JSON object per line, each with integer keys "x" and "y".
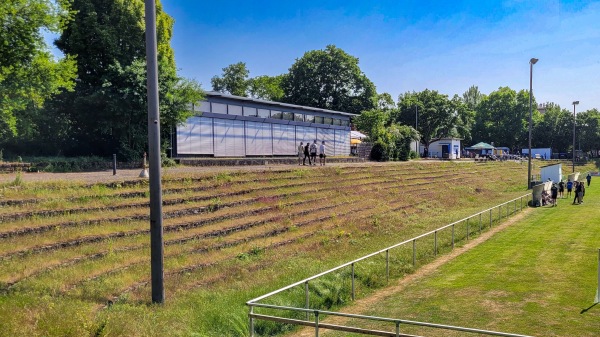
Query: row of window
{"x": 238, "y": 110}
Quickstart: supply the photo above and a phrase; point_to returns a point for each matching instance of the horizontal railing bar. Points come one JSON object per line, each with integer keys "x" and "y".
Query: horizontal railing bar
{"x": 329, "y": 326}
{"x": 391, "y": 320}
{"x": 375, "y": 253}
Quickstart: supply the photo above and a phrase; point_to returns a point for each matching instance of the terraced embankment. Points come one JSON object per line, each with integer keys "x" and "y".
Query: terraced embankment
{"x": 81, "y": 252}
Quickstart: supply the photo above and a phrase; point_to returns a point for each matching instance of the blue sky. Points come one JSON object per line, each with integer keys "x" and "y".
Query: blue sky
{"x": 404, "y": 45}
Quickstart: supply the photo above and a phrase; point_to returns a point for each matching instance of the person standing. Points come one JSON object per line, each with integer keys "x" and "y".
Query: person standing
{"x": 577, "y": 192}
{"x": 300, "y": 153}
{"x": 322, "y": 153}
{"x": 582, "y": 191}
{"x": 553, "y": 194}
{"x": 569, "y": 187}
{"x": 313, "y": 152}
{"x": 306, "y": 154}
{"x": 588, "y": 178}
{"x": 561, "y": 189}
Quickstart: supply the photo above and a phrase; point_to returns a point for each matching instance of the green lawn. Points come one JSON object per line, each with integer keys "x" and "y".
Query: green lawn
{"x": 536, "y": 277}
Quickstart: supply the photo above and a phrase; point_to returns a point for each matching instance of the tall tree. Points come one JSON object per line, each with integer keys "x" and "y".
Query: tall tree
{"x": 108, "y": 110}
{"x": 29, "y": 74}
{"x": 234, "y": 80}
{"x": 503, "y": 118}
{"x": 588, "y": 131}
{"x": 266, "y": 87}
{"x": 329, "y": 79}
{"x": 472, "y": 97}
{"x": 438, "y": 116}
{"x": 553, "y": 129}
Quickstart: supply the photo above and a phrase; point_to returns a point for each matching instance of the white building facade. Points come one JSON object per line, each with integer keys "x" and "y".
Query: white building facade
{"x": 233, "y": 126}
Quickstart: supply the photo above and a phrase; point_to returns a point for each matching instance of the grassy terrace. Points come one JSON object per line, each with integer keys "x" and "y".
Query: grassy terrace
{"x": 74, "y": 258}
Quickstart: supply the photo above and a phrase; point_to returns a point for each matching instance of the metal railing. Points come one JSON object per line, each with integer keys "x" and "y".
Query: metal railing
{"x": 503, "y": 210}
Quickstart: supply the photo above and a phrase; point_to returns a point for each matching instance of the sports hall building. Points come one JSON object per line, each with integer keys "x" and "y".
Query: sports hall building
{"x": 233, "y": 126}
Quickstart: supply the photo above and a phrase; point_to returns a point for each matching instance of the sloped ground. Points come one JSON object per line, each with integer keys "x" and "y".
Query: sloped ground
{"x": 74, "y": 257}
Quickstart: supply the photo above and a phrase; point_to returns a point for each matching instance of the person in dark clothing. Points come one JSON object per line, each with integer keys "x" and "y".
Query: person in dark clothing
{"x": 569, "y": 188}
{"x": 577, "y": 192}
{"x": 561, "y": 189}
{"x": 306, "y": 155}
{"x": 553, "y": 194}
{"x": 589, "y": 179}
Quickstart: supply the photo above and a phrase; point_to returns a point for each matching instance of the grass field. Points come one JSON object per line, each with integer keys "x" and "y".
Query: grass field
{"x": 537, "y": 277}
{"x": 74, "y": 258}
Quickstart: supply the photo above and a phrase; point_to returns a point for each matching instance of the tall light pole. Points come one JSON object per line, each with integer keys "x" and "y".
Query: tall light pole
{"x": 416, "y": 126}
{"x": 574, "y": 104}
{"x": 531, "y": 63}
{"x": 156, "y": 217}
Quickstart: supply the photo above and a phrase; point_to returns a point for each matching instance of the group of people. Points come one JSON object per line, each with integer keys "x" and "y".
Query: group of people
{"x": 576, "y": 187}
{"x": 310, "y": 151}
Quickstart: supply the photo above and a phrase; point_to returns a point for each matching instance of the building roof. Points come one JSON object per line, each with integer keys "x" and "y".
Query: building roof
{"x": 279, "y": 104}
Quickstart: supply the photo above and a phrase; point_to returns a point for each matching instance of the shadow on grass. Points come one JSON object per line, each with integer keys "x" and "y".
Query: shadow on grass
{"x": 588, "y": 308}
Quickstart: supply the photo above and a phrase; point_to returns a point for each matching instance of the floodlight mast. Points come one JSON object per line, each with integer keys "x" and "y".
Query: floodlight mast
{"x": 574, "y": 120}
{"x": 531, "y": 63}
{"x": 156, "y": 218}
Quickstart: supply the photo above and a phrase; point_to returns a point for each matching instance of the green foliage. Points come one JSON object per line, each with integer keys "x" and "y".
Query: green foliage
{"x": 266, "y": 87}
{"x": 503, "y": 118}
{"x": 107, "y": 112}
{"x": 234, "y": 80}
{"x": 29, "y": 74}
{"x": 329, "y": 79}
{"x": 391, "y": 140}
{"x": 438, "y": 116}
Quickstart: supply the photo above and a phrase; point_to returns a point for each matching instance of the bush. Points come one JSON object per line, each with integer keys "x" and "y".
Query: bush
{"x": 379, "y": 152}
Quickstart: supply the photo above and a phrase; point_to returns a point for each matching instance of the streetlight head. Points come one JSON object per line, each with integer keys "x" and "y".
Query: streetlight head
{"x": 533, "y": 60}
{"x": 575, "y": 102}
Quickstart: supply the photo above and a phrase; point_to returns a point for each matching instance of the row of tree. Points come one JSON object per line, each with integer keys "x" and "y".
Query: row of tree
{"x": 93, "y": 100}
{"x": 332, "y": 79}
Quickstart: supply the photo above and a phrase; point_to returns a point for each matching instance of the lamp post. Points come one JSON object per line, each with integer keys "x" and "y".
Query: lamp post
{"x": 531, "y": 63}
{"x": 574, "y": 104}
{"x": 416, "y": 126}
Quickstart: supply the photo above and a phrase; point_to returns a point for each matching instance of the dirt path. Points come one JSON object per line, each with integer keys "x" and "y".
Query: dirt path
{"x": 360, "y": 306}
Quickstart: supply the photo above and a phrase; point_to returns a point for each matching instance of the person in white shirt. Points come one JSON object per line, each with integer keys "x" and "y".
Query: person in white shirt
{"x": 300, "y": 153}
{"x": 322, "y": 153}
{"x": 313, "y": 152}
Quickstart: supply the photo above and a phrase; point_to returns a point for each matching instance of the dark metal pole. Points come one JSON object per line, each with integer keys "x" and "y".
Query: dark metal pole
{"x": 574, "y": 120}
{"x": 114, "y": 164}
{"x": 416, "y": 127}
{"x": 156, "y": 220}
{"x": 531, "y": 63}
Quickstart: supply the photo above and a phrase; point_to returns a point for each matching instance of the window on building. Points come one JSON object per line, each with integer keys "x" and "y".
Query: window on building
{"x": 299, "y": 117}
{"x": 248, "y": 111}
{"x": 318, "y": 119}
{"x": 264, "y": 113}
{"x": 219, "y": 108}
{"x": 337, "y": 121}
{"x": 202, "y": 106}
{"x": 328, "y": 120}
{"x": 234, "y": 110}
{"x": 289, "y": 116}
{"x": 345, "y": 122}
{"x": 309, "y": 118}
{"x": 276, "y": 114}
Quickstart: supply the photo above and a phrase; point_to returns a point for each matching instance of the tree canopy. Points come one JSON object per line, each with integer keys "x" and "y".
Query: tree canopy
{"x": 29, "y": 74}
{"x": 329, "y": 79}
{"x": 438, "y": 116}
{"x": 107, "y": 112}
{"x": 234, "y": 80}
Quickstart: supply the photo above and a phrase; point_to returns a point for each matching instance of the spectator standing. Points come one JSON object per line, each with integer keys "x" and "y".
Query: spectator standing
{"x": 322, "y": 153}
{"x": 306, "y": 154}
{"x": 300, "y": 153}
{"x": 313, "y": 152}
{"x": 561, "y": 189}
{"x": 582, "y": 191}
{"x": 569, "y": 187}
{"x": 553, "y": 194}
{"x": 577, "y": 193}
{"x": 588, "y": 178}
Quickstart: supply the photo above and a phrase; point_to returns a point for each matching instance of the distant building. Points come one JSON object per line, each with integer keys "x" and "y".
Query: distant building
{"x": 233, "y": 126}
{"x": 443, "y": 148}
